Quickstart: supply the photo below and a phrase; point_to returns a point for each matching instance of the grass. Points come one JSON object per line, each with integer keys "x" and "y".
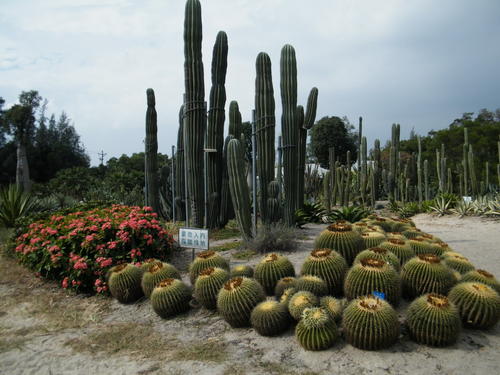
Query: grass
{"x": 227, "y": 246}
{"x": 209, "y": 351}
{"x": 244, "y": 254}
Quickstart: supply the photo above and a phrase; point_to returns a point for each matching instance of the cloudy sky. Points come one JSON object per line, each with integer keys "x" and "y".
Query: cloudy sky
{"x": 420, "y": 63}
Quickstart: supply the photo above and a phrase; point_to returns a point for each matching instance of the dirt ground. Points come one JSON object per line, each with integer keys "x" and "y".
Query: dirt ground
{"x": 45, "y": 331}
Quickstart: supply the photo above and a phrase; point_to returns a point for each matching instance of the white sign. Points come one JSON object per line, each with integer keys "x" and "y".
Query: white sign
{"x": 467, "y": 199}
{"x": 193, "y": 238}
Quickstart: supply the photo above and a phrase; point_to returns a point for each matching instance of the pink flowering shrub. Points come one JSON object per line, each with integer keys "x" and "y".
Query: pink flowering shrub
{"x": 79, "y": 248}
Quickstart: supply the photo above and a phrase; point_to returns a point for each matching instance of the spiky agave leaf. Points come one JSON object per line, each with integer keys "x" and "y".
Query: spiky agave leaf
{"x": 316, "y": 330}
{"x": 270, "y": 318}
{"x": 479, "y": 304}
{"x": 373, "y": 275}
{"x": 433, "y": 320}
{"x": 328, "y": 265}
{"x": 370, "y": 323}
{"x": 426, "y": 274}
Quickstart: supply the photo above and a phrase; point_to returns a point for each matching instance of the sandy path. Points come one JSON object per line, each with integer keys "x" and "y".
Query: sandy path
{"x": 96, "y": 335}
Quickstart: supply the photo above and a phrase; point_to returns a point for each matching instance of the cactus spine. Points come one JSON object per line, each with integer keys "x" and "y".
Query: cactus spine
{"x": 270, "y": 318}
{"x": 301, "y": 156}
{"x": 125, "y": 283}
{"x": 240, "y": 194}
{"x": 179, "y": 170}
{"x": 215, "y": 129}
{"x": 151, "y": 154}
{"x": 360, "y": 145}
{"x": 465, "y": 162}
{"x": 273, "y": 202}
{"x": 170, "y": 297}
{"x": 265, "y": 127}
{"x": 194, "y": 110}
{"x": 226, "y": 208}
{"x": 271, "y": 269}
{"x": 208, "y": 284}
{"x": 316, "y": 330}
{"x": 289, "y": 129}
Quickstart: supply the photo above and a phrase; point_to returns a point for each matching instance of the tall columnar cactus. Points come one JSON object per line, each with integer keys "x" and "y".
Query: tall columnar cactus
{"x": 234, "y": 119}
{"x": 363, "y": 172}
{"x": 360, "y": 141}
{"x": 393, "y": 162}
{"x": 347, "y": 188}
{"x": 265, "y": 121}
{"x": 194, "y": 111}
{"x": 426, "y": 180}
{"x": 301, "y": 156}
{"x": 273, "y": 202}
{"x": 465, "y": 161}
{"x": 377, "y": 165}
{"x": 240, "y": 195}
{"x": 151, "y": 154}
{"x": 180, "y": 178}
{"x": 419, "y": 171}
{"x": 327, "y": 191}
{"x": 472, "y": 171}
{"x": 226, "y": 208}
{"x": 215, "y": 129}
{"x": 289, "y": 129}
{"x": 332, "y": 166}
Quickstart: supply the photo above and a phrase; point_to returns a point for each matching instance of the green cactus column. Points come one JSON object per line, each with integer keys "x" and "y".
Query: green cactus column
{"x": 240, "y": 195}
{"x": 289, "y": 129}
{"x": 363, "y": 172}
{"x": 465, "y": 161}
{"x": 426, "y": 180}
{"x": 215, "y": 129}
{"x": 360, "y": 140}
{"x": 151, "y": 154}
{"x": 419, "y": 171}
{"x": 472, "y": 171}
{"x": 194, "y": 111}
{"x": 226, "y": 208}
{"x": 377, "y": 165}
{"x": 179, "y": 171}
{"x": 265, "y": 127}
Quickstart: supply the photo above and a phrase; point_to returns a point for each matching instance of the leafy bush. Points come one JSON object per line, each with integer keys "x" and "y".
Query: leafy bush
{"x": 14, "y": 204}
{"x": 274, "y": 238}
{"x": 441, "y": 205}
{"x": 352, "y": 213}
{"x": 79, "y": 248}
{"x": 409, "y": 209}
{"x": 453, "y": 199}
{"x": 309, "y": 213}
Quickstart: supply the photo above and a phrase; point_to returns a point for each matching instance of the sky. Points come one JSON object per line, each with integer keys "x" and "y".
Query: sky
{"x": 419, "y": 63}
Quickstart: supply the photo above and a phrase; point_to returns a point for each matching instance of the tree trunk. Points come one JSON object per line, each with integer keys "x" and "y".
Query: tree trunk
{"x": 22, "y": 168}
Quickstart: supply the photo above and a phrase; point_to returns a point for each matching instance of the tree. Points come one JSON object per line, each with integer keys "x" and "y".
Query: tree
{"x": 332, "y": 132}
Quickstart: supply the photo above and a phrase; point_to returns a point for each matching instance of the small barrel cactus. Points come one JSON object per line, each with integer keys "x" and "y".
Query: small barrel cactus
{"x": 478, "y": 304}
{"x": 381, "y": 254}
{"x": 316, "y": 330}
{"x": 399, "y": 248}
{"x": 125, "y": 283}
{"x": 148, "y": 263}
{"x": 373, "y": 275}
{"x": 208, "y": 284}
{"x": 440, "y": 248}
{"x": 270, "y": 318}
{"x": 457, "y": 262}
{"x": 300, "y": 301}
{"x": 430, "y": 237}
{"x": 282, "y": 284}
{"x": 484, "y": 277}
{"x": 313, "y": 284}
{"x": 170, "y": 297}
{"x": 334, "y": 307}
{"x": 271, "y": 269}
{"x": 287, "y": 295}
{"x": 411, "y": 233}
{"x": 396, "y": 235}
{"x": 360, "y": 226}
{"x": 237, "y": 298}
{"x": 204, "y": 260}
{"x": 341, "y": 238}
{"x": 426, "y": 274}
{"x": 156, "y": 273}
{"x": 372, "y": 238}
{"x": 328, "y": 265}
{"x": 242, "y": 270}
{"x": 370, "y": 323}
{"x": 420, "y": 245}
{"x": 384, "y": 223}
{"x": 433, "y": 320}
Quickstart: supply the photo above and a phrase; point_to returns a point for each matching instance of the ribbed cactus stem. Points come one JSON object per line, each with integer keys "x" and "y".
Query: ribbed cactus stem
{"x": 327, "y": 191}
{"x": 265, "y": 127}
{"x": 194, "y": 110}
{"x": 360, "y": 140}
{"x": 472, "y": 171}
{"x": 215, "y": 129}
{"x": 419, "y": 170}
{"x": 273, "y": 208}
{"x": 151, "y": 154}
{"x": 465, "y": 161}
{"x": 348, "y": 179}
{"x": 289, "y": 129}
{"x": 426, "y": 180}
{"x": 301, "y": 156}
{"x": 377, "y": 164}
{"x": 240, "y": 195}
{"x": 333, "y": 174}
{"x": 179, "y": 170}
{"x": 226, "y": 208}
{"x": 364, "y": 170}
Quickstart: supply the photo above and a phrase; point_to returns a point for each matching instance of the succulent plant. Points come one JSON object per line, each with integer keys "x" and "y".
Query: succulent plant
{"x": 433, "y": 320}
{"x": 478, "y": 304}
{"x": 373, "y": 275}
{"x": 270, "y": 318}
{"x": 125, "y": 283}
{"x": 208, "y": 284}
{"x": 370, "y": 323}
{"x": 237, "y": 298}
{"x": 341, "y": 238}
{"x": 360, "y": 226}
{"x": 148, "y": 263}
{"x": 242, "y": 270}
{"x": 300, "y": 301}
{"x": 328, "y": 265}
{"x": 334, "y": 306}
{"x": 440, "y": 248}
{"x": 316, "y": 330}
{"x": 156, "y": 273}
{"x": 385, "y": 224}
{"x": 204, "y": 260}
{"x": 313, "y": 284}
{"x": 287, "y": 295}
{"x": 399, "y": 248}
{"x": 381, "y": 254}
{"x": 373, "y": 238}
{"x": 170, "y": 297}
{"x": 426, "y": 274}
{"x": 421, "y": 246}
{"x": 411, "y": 233}
{"x": 272, "y": 268}
{"x": 400, "y": 225}
{"x": 282, "y": 284}
{"x": 457, "y": 262}
{"x": 484, "y": 277}
{"x": 430, "y": 237}
{"x": 395, "y": 235}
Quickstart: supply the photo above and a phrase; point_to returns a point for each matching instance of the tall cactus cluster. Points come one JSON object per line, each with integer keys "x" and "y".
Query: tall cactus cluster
{"x": 151, "y": 154}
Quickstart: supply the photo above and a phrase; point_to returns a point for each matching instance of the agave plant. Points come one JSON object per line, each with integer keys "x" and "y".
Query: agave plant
{"x": 309, "y": 213}
{"x": 351, "y": 214}
{"x": 14, "y": 204}
{"x": 463, "y": 208}
{"x": 441, "y": 206}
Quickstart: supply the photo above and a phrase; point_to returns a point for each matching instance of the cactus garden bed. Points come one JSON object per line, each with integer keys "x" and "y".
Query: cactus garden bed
{"x": 46, "y": 330}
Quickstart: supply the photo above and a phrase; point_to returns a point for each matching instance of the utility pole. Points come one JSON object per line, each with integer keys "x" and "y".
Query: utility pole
{"x": 101, "y": 154}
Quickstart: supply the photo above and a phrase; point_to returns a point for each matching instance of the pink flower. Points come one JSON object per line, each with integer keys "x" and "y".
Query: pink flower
{"x": 80, "y": 265}
{"x": 65, "y": 283}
